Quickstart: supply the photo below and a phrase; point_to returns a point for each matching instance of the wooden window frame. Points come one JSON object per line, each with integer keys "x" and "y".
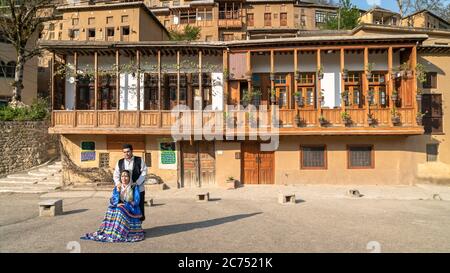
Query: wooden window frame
{"x": 325, "y": 158}
{"x": 283, "y": 21}
{"x": 268, "y": 23}
{"x": 372, "y": 156}
{"x": 431, "y": 80}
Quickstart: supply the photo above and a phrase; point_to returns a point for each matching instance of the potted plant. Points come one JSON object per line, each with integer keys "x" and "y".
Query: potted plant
{"x": 246, "y": 98}
{"x": 370, "y": 119}
{"x": 344, "y": 96}
{"x": 298, "y": 120}
{"x": 273, "y": 97}
{"x": 346, "y": 118}
{"x": 394, "y": 96}
{"x": 369, "y": 70}
{"x": 419, "y": 117}
{"x": 345, "y": 74}
{"x": 406, "y": 70}
{"x": 299, "y": 98}
{"x": 419, "y": 94}
{"x": 320, "y": 72}
{"x": 322, "y": 120}
{"x": 231, "y": 183}
{"x": 256, "y": 97}
{"x": 395, "y": 117}
{"x": 229, "y": 120}
{"x": 370, "y": 97}
{"x": 252, "y": 120}
{"x": 322, "y": 97}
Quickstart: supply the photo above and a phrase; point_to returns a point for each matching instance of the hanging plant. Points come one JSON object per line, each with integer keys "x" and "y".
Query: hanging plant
{"x": 320, "y": 72}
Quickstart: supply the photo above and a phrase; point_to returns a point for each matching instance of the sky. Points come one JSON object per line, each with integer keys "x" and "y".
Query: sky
{"x": 387, "y": 4}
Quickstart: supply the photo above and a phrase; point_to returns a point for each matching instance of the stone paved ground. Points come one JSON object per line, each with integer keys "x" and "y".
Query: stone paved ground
{"x": 400, "y": 219}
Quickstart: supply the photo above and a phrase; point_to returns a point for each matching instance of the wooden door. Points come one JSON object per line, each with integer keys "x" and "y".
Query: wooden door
{"x": 198, "y": 163}
{"x": 257, "y": 166}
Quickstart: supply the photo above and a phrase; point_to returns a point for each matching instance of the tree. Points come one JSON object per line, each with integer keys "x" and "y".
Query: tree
{"x": 20, "y": 22}
{"x": 403, "y": 7}
{"x": 347, "y": 18}
{"x": 435, "y": 6}
{"x": 189, "y": 33}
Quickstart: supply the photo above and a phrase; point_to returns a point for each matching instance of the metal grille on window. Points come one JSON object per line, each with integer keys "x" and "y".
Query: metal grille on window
{"x": 313, "y": 157}
{"x": 104, "y": 160}
{"x": 361, "y": 156}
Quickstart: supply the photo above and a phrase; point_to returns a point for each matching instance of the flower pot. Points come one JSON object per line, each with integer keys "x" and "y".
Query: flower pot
{"x": 298, "y": 121}
{"x": 395, "y": 120}
{"x": 231, "y": 184}
{"x": 370, "y": 121}
{"x": 418, "y": 97}
{"x": 394, "y": 97}
{"x": 419, "y": 120}
{"x": 347, "y": 121}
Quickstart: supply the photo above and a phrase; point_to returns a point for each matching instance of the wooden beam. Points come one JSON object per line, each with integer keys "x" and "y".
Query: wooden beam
{"x": 272, "y": 72}
{"x": 53, "y": 87}
{"x": 178, "y": 77}
{"x": 366, "y": 85}
{"x": 319, "y": 85}
{"x": 117, "y": 88}
{"x": 75, "y": 63}
{"x": 96, "y": 88}
{"x": 249, "y": 71}
{"x": 342, "y": 78}
{"x": 138, "y": 87}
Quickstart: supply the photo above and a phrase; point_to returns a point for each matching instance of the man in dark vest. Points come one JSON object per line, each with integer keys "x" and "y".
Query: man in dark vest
{"x": 138, "y": 171}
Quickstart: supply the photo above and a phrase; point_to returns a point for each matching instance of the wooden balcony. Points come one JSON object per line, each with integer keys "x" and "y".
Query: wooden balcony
{"x": 161, "y": 122}
{"x": 230, "y": 23}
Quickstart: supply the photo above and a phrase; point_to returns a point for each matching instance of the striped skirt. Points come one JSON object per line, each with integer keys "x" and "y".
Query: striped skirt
{"x": 118, "y": 226}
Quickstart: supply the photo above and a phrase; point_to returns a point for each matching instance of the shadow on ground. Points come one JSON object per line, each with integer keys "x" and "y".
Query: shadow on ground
{"x": 172, "y": 229}
{"x": 74, "y": 211}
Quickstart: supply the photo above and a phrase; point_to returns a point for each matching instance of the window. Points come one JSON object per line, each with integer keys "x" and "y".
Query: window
{"x": 91, "y": 33}
{"x": 432, "y": 152}
{"x": 303, "y": 20}
{"x": 125, "y": 31}
{"x": 250, "y": 19}
{"x": 91, "y": 21}
{"x": 313, "y": 157}
{"x": 360, "y": 156}
{"x": 110, "y": 33}
{"x": 283, "y": 19}
{"x": 267, "y": 19}
{"x": 75, "y": 21}
{"x": 166, "y": 23}
{"x": 109, "y": 20}
{"x": 205, "y": 15}
{"x": 61, "y": 25}
{"x": 74, "y": 33}
{"x": 432, "y": 107}
{"x": 228, "y": 37}
{"x": 124, "y": 18}
{"x": 176, "y": 3}
{"x": 431, "y": 80}
{"x": 7, "y": 70}
{"x": 320, "y": 17}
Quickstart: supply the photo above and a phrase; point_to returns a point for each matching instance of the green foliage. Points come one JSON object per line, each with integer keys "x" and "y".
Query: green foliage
{"x": 37, "y": 111}
{"x": 348, "y": 18}
{"x": 189, "y": 33}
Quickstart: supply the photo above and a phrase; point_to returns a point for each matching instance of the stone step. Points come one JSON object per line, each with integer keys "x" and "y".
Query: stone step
{"x": 19, "y": 181}
{"x": 39, "y": 174}
{"x": 12, "y": 190}
{"x": 48, "y": 170}
{"x": 28, "y": 186}
{"x": 55, "y": 167}
{"x": 21, "y": 176}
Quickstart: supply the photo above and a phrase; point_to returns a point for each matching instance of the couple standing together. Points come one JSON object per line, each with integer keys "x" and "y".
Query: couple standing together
{"x": 125, "y": 213}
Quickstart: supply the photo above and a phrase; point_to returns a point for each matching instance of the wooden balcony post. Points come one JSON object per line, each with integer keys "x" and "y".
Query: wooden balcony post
{"x": 53, "y": 87}
{"x": 272, "y": 73}
{"x": 138, "y": 87}
{"x": 249, "y": 71}
{"x": 342, "y": 78}
{"x": 75, "y": 63}
{"x": 295, "y": 78}
{"x": 200, "y": 78}
{"x": 159, "y": 88}
{"x": 178, "y": 77}
{"x": 414, "y": 80}
{"x": 390, "y": 86}
{"x": 96, "y": 88}
{"x": 225, "y": 80}
{"x": 366, "y": 85}
{"x": 117, "y": 88}
{"x": 318, "y": 96}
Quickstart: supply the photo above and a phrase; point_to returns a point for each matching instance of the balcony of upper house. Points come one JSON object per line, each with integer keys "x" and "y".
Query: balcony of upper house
{"x": 336, "y": 85}
{"x": 231, "y": 14}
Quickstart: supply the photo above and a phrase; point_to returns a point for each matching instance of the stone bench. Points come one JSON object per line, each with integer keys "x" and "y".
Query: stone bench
{"x": 203, "y": 197}
{"x": 148, "y": 202}
{"x": 286, "y": 198}
{"x": 51, "y": 207}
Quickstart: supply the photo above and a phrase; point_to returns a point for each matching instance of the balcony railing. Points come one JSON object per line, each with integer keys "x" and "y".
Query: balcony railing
{"x": 289, "y": 121}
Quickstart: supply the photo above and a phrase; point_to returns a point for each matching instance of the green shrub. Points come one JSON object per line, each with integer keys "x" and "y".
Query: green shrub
{"x": 38, "y": 111}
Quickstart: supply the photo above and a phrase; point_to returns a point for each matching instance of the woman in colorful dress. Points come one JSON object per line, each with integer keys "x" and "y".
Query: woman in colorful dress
{"x": 122, "y": 220}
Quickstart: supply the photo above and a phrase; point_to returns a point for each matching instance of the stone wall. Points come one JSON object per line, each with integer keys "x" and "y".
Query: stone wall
{"x": 25, "y": 144}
